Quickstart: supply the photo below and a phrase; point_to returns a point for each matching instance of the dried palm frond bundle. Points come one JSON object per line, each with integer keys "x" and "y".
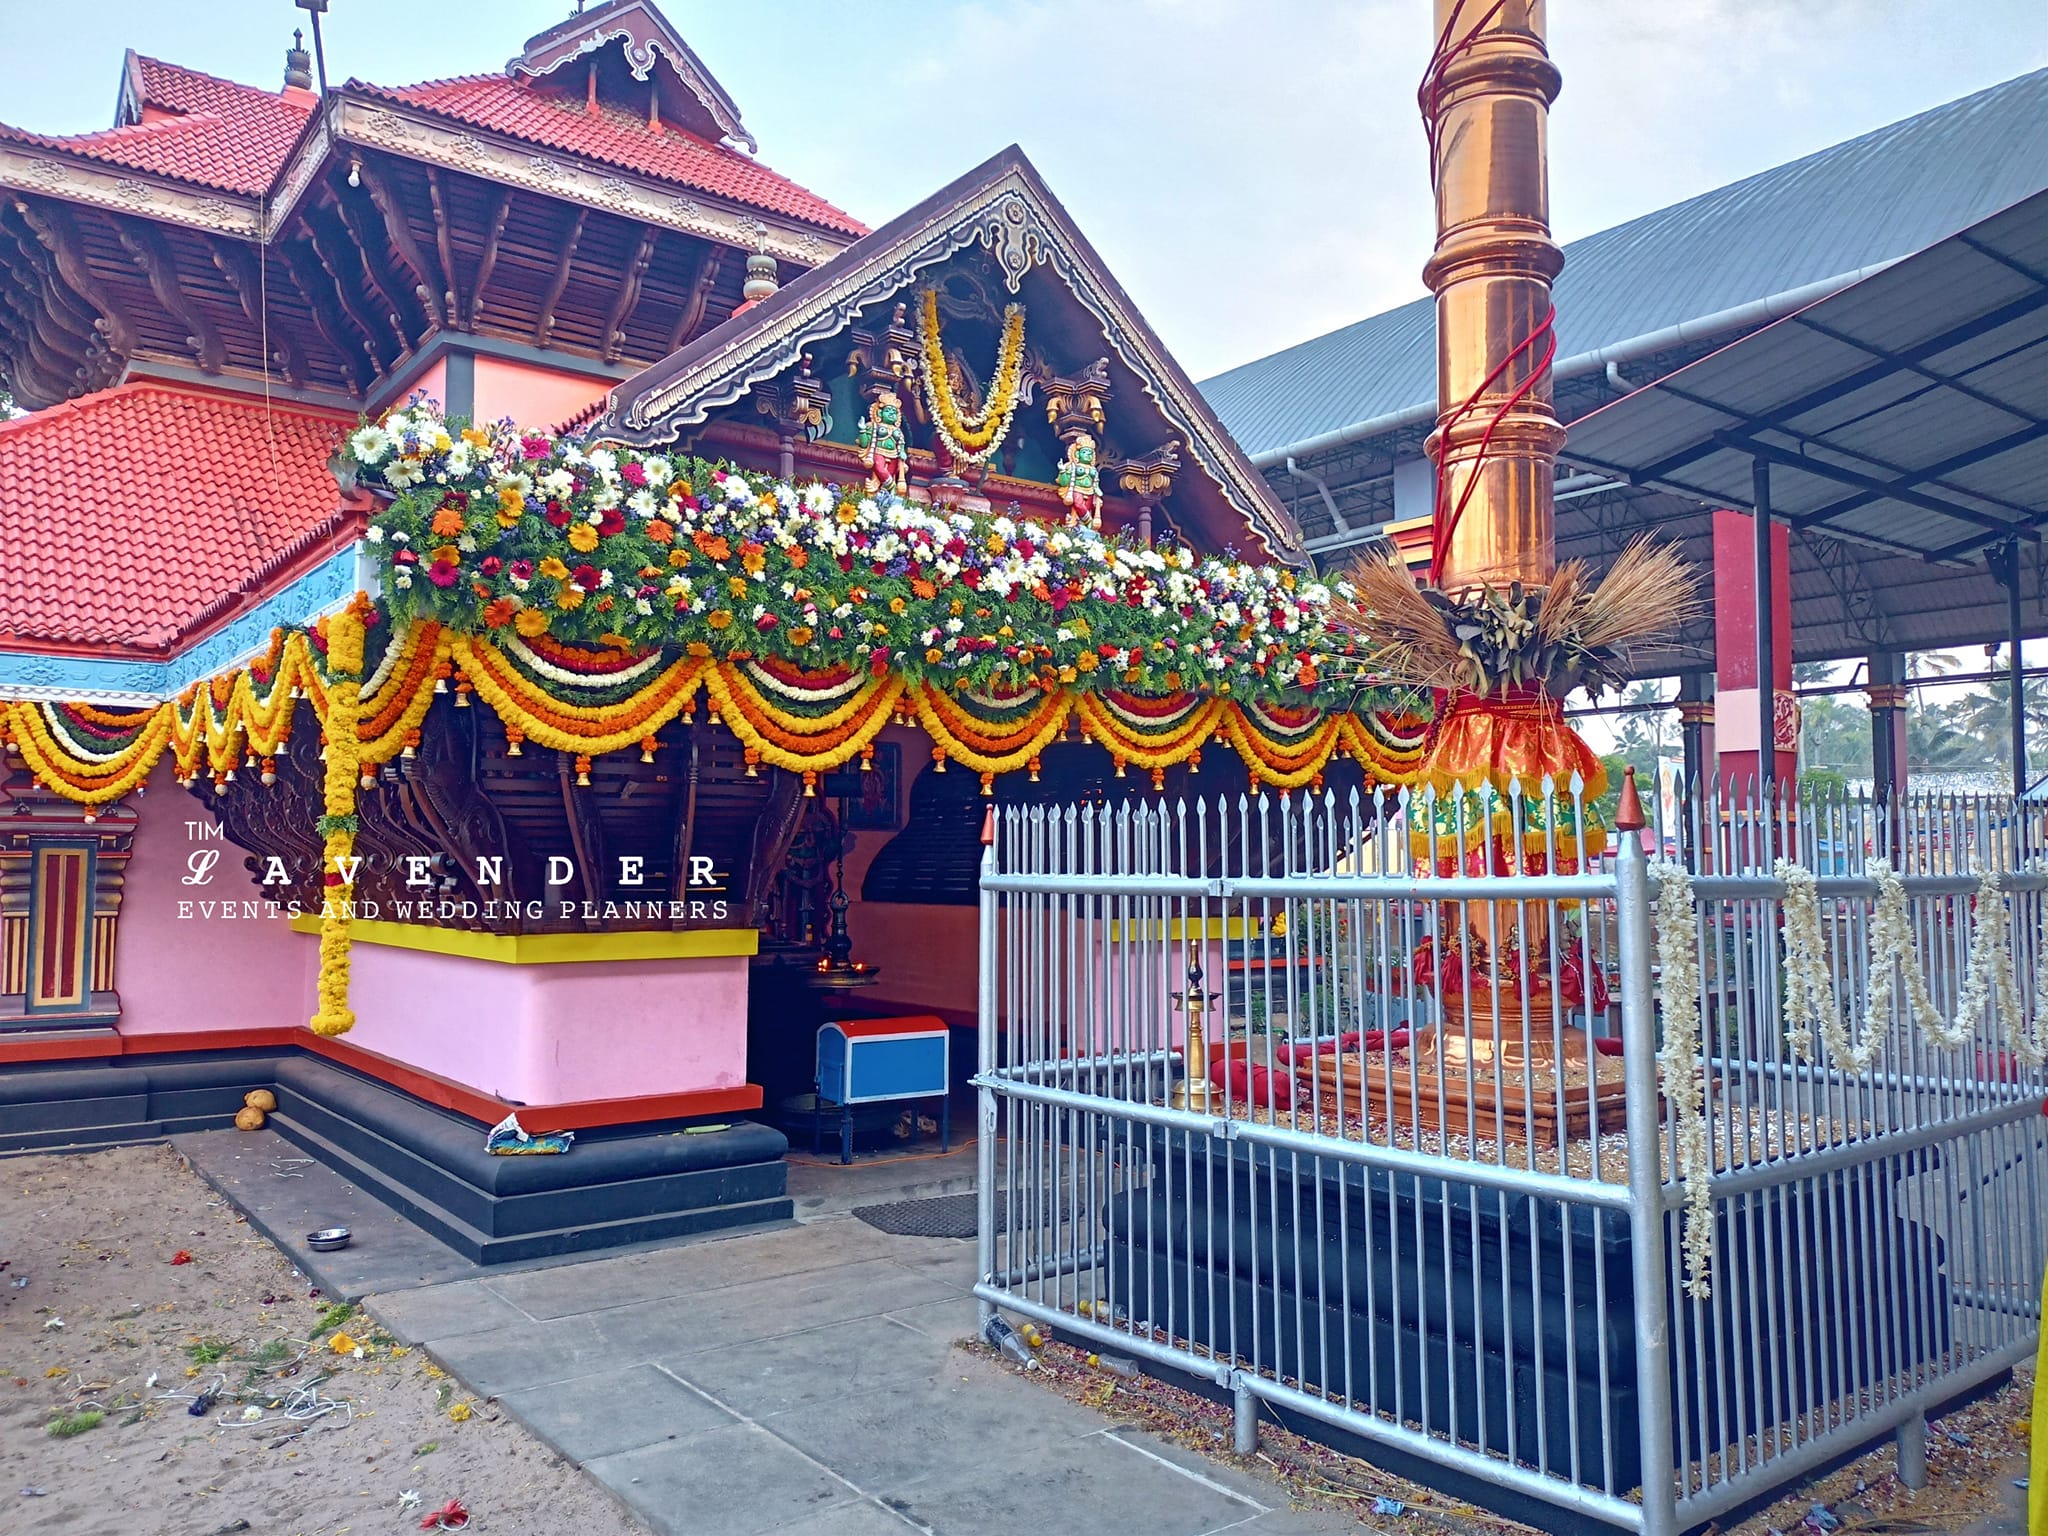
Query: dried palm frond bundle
{"x": 1571, "y": 635}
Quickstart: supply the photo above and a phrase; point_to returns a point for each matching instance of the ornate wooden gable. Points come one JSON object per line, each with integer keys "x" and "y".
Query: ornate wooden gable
{"x": 802, "y": 368}
{"x": 585, "y": 203}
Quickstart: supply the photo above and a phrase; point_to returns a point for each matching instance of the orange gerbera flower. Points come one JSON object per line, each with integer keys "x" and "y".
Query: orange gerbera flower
{"x": 661, "y": 533}
{"x": 499, "y": 613}
{"x": 583, "y": 538}
{"x": 553, "y": 569}
{"x": 447, "y": 523}
{"x": 800, "y": 634}
{"x": 718, "y": 618}
{"x": 713, "y": 544}
{"x": 569, "y": 598}
{"x": 530, "y": 622}
{"x": 753, "y": 556}
{"x": 679, "y": 558}
{"x": 799, "y": 557}
{"x": 923, "y": 588}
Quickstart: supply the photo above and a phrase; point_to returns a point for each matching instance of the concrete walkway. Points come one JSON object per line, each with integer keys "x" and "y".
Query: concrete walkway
{"x": 804, "y": 1381}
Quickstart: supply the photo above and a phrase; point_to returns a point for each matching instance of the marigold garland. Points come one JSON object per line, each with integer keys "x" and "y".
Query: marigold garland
{"x": 333, "y": 1016}
{"x": 799, "y": 743}
{"x": 986, "y": 749}
{"x": 972, "y": 439}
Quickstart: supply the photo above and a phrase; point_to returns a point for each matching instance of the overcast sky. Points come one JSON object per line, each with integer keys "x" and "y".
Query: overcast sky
{"x": 1252, "y": 170}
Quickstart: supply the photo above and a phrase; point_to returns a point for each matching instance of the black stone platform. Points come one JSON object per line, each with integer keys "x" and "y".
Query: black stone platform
{"x": 1471, "y": 1323}
{"x": 616, "y": 1185}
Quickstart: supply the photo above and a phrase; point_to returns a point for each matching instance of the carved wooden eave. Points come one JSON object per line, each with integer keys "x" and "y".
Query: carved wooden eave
{"x": 76, "y": 178}
{"x": 1004, "y": 206}
{"x": 440, "y": 142}
{"x": 648, "y": 39}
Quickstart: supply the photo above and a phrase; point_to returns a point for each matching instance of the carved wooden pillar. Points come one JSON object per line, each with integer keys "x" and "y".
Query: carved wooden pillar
{"x": 1148, "y": 479}
{"x": 794, "y": 407}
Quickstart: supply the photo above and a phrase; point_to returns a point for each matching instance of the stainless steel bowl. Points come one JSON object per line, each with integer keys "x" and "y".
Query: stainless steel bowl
{"x": 327, "y": 1239}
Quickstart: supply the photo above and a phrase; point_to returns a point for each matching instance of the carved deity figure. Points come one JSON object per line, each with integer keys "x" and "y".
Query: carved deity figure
{"x": 883, "y": 447}
{"x": 1080, "y": 482}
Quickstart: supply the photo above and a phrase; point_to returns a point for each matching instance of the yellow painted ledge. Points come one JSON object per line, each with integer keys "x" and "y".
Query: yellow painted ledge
{"x": 551, "y": 948}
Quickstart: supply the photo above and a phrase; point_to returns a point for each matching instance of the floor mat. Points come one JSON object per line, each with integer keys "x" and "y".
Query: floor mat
{"x": 942, "y": 1216}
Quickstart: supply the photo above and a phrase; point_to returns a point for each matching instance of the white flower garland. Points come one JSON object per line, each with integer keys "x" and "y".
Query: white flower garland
{"x": 831, "y": 692}
{"x": 568, "y": 679}
{"x": 71, "y": 744}
{"x": 385, "y": 663}
{"x": 1988, "y": 978}
{"x": 1892, "y": 956}
{"x": 2030, "y": 1046}
{"x": 1684, "y": 1072}
{"x": 1809, "y": 984}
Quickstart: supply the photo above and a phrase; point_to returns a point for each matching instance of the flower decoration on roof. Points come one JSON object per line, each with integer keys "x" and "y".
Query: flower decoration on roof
{"x": 496, "y": 531}
{"x": 971, "y": 437}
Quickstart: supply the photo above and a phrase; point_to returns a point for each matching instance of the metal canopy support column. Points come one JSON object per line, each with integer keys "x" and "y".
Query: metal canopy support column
{"x": 2008, "y": 569}
{"x": 1695, "y": 711}
{"x": 1887, "y": 697}
{"x": 1766, "y": 602}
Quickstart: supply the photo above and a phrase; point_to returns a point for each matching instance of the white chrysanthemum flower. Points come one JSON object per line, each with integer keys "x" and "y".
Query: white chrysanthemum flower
{"x": 659, "y": 470}
{"x": 737, "y": 491}
{"x": 642, "y": 607}
{"x": 603, "y": 460}
{"x": 604, "y": 579}
{"x": 641, "y": 504}
{"x": 374, "y": 534}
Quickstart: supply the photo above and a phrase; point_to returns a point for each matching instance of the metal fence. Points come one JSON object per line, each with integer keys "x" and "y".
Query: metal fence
{"x": 1415, "y": 1171}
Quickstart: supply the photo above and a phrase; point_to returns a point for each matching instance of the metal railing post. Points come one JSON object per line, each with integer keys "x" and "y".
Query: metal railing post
{"x": 1645, "y": 1170}
{"x": 985, "y": 1058}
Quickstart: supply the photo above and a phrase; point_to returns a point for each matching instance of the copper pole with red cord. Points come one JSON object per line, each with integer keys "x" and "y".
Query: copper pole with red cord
{"x": 1485, "y": 102}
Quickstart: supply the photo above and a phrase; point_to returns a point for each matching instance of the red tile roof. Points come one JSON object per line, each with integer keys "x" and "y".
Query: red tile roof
{"x": 229, "y": 137}
{"x": 504, "y": 105}
{"x": 134, "y": 516}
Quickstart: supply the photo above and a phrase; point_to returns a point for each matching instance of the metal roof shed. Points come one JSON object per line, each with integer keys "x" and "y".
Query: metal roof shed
{"x": 1904, "y": 419}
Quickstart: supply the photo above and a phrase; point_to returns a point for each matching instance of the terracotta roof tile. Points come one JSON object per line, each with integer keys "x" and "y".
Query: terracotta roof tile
{"x": 230, "y": 137}
{"x": 128, "y": 516}
{"x": 508, "y": 106}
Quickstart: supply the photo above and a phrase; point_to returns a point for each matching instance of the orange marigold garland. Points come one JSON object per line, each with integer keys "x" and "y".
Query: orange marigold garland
{"x": 333, "y": 1015}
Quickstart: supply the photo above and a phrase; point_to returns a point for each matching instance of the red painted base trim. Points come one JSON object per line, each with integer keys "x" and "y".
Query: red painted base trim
{"x": 442, "y": 1092}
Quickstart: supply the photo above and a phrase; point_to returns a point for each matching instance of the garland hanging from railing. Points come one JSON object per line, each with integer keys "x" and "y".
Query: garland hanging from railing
{"x": 338, "y": 821}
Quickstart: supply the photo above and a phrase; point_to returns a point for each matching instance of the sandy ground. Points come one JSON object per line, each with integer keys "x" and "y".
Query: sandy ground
{"x": 1972, "y": 1456}
{"x": 91, "y": 1241}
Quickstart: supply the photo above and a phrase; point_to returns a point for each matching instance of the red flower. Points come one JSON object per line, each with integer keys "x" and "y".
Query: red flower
{"x": 492, "y": 565}
{"x": 442, "y": 574}
{"x": 878, "y": 663}
{"x": 182, "y": 1256}
{"x": 611, "y": 521}
{"x": 587, "y": 577}
{"x": 632, "y": 473}
{"x": 522, "y": 570}
{"x": 403, "y": 556}
{"x": 533, "y": 446}
{"x": 558, "y": 514}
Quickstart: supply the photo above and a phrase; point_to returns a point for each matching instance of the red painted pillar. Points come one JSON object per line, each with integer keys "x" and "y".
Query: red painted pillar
{"x": 1736, "y": 715}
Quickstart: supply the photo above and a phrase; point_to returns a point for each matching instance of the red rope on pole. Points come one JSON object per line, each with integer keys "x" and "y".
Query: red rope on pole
{"x": 1545, "y": 333}
{"x": 1429, "y": 95}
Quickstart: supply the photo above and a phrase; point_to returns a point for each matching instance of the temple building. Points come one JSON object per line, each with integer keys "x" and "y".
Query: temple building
{"x": 603, "y": 873}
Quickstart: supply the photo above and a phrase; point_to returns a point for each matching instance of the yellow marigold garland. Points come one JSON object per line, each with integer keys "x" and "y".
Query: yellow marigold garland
{"x": 800, "y": 743}
{"x": 976, "y": 745}
{"x": 76, "y": 778}
{"x": 585, "y": 729}
{"x": 1164, "y": 748}
{"x": 1276, "y": 763}
{"x": 978, "y": 436}
{"x": 333, "y": 1015}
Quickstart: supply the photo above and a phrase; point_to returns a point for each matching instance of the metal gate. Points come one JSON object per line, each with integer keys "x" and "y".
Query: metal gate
{"x": 1440, "y": 1189}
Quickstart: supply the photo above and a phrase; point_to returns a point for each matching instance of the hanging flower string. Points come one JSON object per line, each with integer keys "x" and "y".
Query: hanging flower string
{"x": 1810, "y": 1001}
{"x": 1990, "y": 979}
{"x": 971, "y": 439}
{"x": 338, "y": 824}
{"x": 1684, "y": 1072}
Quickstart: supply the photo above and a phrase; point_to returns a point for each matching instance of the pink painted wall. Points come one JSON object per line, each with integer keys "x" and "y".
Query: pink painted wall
{"x": 531, "y": 396}
{"x": 433, "y": 383}
{"x": 550, "y": 1034}
{"x": 192, "y": 957}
